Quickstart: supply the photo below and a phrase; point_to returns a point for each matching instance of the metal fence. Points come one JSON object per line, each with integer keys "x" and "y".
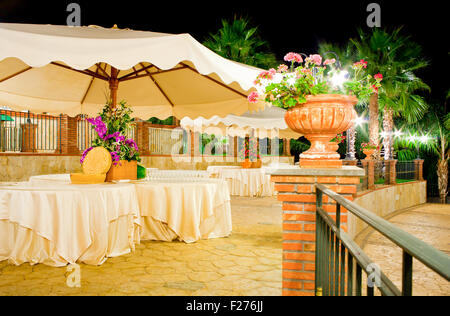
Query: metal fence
{"x": 167, "y": 141}
{"x": 340, "y": 261}
{"x": 364, "y": 181}
{"x": 27, "y": 132}
{"x": 406, "y": 170}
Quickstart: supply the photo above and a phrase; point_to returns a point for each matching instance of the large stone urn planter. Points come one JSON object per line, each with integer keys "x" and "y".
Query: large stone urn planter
{"x": 320, "y": 119}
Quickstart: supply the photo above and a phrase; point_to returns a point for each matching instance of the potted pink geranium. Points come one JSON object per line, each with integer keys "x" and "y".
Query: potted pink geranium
{"x": 319, "y": 99}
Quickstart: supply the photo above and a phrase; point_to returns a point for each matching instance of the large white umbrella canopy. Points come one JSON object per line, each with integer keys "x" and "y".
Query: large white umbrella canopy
{"x": 73, "y": 70}
{"x": 266, "y": 123}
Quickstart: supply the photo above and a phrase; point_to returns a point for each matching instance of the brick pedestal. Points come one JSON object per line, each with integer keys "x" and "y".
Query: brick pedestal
{"x": 390, "y": 173}
{"x": 67, "y": 143}
{"x": 29, "y": 137}
{"x": 369, "y": 167}
{"x": 418, "y": 165}
{"x": 296, "y": 191}
{"x": 142, "y": 137}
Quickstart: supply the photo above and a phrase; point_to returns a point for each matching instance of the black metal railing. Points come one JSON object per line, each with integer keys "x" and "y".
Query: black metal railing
{"x": 406, "y": 170}
{"x": 340, "y": 262}
{"x": 28, "y": 132}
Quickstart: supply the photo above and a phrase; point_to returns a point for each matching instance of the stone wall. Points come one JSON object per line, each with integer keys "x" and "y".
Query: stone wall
{"x": 22, "y": 167}
{"x": 387, "y": 200}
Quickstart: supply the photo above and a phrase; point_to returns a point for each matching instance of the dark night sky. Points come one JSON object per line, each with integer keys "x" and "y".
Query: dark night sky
{"x": 298, "y": 27}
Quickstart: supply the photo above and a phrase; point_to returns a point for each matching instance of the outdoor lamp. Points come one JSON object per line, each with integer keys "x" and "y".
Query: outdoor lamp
{"x": 338, "y": 78}
{"x": 398, "y": 133}
{"x": 359, "y": 121}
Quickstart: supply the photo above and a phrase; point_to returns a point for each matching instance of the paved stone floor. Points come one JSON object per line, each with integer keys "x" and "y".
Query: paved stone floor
{"x": 246, "y": 263}
{"x": 428, "y": 222}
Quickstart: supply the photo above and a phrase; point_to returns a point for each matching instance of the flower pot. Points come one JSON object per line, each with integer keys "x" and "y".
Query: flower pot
{"x": 246, "y": 164}
{"x": 124, "y": 170}
{"x": 368, "y": 153}
{"x": 320, "y": 119}
{"x": 256, "y": 164}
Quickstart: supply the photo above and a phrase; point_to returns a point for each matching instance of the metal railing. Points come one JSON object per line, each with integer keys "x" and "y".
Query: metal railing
{"x": 340, "y": 261}
{"x": 162, "y": 141}
{"x": 364, "y": 181}
{"x": 28, "y": 132}
{"x": 406, "y": 170}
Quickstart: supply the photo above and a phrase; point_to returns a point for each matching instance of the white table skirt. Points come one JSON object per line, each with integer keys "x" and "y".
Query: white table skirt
{"x": 63, "y": 224}
{"x": 244, "y": 182}
{"x": 48, "y": 220}
{"x": 187, "y": 211}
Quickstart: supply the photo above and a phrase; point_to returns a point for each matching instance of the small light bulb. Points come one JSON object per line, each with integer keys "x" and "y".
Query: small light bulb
{"x": 424, "y": 138}
{"x": 359, "y": 121}
{"x": 338, "y": 79}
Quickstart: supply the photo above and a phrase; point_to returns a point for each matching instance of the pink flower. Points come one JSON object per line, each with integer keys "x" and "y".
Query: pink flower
{"x": 378, "y": 77}
{"x": 375, "y": 88}
{"x": 293, "y": 57}
{"x": 253, "y": 97}
{"x": 329, "y": 61}
{"x": 283, "y": 68}
{"x": 316, "y": 59}
{"x": 267, "y": 74}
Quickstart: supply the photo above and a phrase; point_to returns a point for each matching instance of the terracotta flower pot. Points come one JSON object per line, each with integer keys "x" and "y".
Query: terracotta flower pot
{"x": 246, "y": 164}
{"x": 257, "y": 164}
{"x": 368, "y": 153}
{"x": 320, "y": 119}
{"x": 124, "y": 170}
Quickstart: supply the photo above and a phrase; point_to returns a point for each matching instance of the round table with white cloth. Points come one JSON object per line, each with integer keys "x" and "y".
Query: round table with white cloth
{"x": 244, "y": 182}
{"x": 52, "y": 222}
{"x": 187, "y": 209}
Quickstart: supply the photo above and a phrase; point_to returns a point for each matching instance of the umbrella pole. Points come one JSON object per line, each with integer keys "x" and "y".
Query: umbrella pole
{"x": 113, "y": 86}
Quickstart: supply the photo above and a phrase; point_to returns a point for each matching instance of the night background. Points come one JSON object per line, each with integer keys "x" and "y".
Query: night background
{"x": 297, "y": 27}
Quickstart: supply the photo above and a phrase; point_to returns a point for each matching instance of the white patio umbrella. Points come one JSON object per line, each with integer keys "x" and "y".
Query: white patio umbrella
{"x": 266, "y": 123}
{"x": 73, "y": 70}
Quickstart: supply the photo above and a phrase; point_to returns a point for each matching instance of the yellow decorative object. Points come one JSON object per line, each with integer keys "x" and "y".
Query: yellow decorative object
{"x": 81, "y": 178}
{"x": 97, "y": 161}
{"x": 95, "y": 166}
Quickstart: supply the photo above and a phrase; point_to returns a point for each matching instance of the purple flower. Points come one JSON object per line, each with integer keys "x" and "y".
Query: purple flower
{"x": 132, "y": 143}
{"x": 115, "y": 157}
{"x": 85, "y": 153}
{"x": 120, "y": 138}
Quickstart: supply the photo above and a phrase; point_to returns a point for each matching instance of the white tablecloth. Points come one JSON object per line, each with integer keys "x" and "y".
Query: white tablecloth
{"x": 244, "y": 182}
{"x": 62, "y": 223}
{"x": 48, "y": 220}
{"x": 186, "y": 210}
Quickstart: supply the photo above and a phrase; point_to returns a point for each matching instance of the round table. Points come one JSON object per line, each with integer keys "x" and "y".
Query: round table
{"x": 244, "y": 182}
{"x": 59, "y": 223}
{"x": 187, "y": 209}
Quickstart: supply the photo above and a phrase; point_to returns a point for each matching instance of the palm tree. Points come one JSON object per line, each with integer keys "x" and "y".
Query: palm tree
{"x": 436, "y": 125}
{"x": 238, "y": 41}
{"x": 396, "y": 57}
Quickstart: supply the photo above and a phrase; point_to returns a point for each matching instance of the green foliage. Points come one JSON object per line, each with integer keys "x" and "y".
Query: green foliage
{"x": 212, "y": 142}
{"x": 168, "y": 121}
{"x": 397, "y": 57}
{"x": 289, "y": 86}
{"x": 237, "y": 41}
{"x": 112, "y": 127}
{"x": 299, "y": 145}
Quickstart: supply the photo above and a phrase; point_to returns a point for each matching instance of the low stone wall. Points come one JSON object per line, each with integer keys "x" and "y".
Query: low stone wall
{"x": 22, "y": 167}
{"x": 387, "y": 200}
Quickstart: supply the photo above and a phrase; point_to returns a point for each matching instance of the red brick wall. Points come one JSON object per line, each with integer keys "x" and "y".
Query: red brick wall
{"x": 297, "y": 194}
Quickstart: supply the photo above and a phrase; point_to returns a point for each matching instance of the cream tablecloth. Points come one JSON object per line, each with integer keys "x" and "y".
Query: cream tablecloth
{"x": 57, "y": 224}
{"x": 244, "y": 182}
{"x": 184, "y": 209}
